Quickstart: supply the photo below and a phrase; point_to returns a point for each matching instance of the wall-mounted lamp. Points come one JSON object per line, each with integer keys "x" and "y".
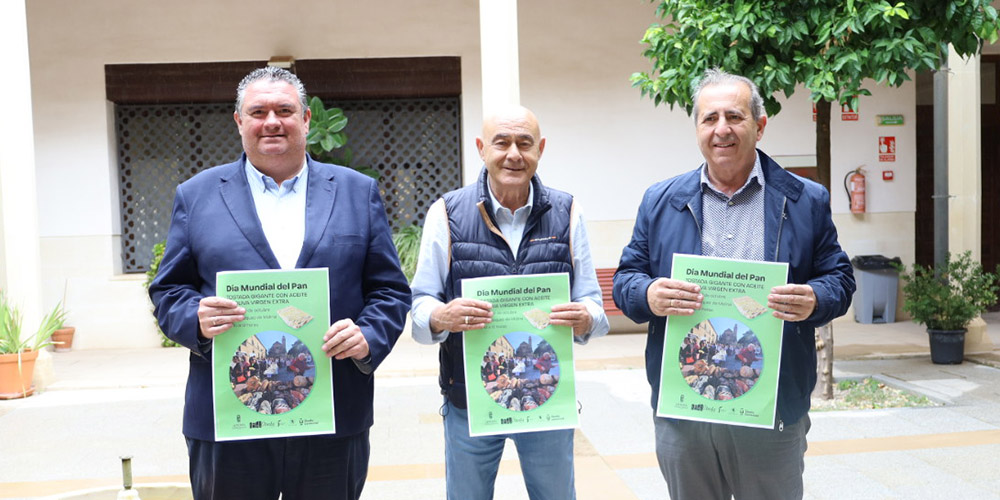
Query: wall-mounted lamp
{"x": 284, "y": 62}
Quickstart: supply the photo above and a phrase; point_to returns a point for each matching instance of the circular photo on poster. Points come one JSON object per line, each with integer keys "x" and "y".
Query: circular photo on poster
{"x": 272, "y": 372}
{"x": 520, "y": 371}
{"x": 721, "y": 359}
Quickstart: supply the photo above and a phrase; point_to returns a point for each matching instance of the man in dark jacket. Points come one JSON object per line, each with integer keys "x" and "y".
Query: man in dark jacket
{"x": 505, "y": 223}
{"x": 739, "y": 204}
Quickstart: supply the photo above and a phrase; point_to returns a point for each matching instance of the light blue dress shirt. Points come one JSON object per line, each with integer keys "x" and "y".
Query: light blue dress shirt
{"x": 282, "y": 212}
{"x": 435, "y": 259}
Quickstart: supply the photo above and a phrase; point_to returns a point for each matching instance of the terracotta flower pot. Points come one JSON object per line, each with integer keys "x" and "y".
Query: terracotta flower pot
{"x": 64, "y": 337}
{"x": 15, "y": 379}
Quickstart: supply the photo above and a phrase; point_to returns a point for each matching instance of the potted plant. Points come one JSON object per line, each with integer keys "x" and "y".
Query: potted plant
{"x": 945, "y": 300}
{"x": 17, "y": 354}
{"x": 62, "y": 338}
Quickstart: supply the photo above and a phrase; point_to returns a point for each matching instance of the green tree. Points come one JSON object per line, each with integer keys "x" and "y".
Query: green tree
{"x": 830, "y": 46}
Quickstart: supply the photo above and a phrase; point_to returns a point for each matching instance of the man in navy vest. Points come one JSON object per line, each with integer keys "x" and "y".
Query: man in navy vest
{"x": 738, "y": 204}
{"x": 505, "y": 223}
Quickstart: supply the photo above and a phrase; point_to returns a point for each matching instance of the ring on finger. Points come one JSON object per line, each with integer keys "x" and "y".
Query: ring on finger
{"x": 215, "y": 321}
{"x": 466, "y": 320}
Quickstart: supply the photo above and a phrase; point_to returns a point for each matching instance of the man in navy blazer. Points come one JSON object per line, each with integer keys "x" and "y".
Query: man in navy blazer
{"x": 277, "y": 208}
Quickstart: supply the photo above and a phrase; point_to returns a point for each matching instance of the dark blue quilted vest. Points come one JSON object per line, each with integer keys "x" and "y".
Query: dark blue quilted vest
{"x": 479, "y": 249}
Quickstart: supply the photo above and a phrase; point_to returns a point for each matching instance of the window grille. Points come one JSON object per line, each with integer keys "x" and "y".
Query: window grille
{"x": 414, "y": 144}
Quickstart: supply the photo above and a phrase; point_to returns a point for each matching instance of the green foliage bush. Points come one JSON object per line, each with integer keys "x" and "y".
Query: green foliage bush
{"x": 949, "y": 299}
{"x": 154, "y": 267}
{"x": 326, "y": 134}
{"x": 407, "y": 241}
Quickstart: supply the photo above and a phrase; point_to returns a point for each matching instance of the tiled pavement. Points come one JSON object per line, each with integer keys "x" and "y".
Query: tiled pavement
{"x": 106, "y": 403}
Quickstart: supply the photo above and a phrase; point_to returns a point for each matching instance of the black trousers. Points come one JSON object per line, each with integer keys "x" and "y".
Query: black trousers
{"x": 298, "y": 468}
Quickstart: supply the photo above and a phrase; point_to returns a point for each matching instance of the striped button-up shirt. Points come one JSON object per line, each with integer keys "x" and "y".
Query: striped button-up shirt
{"x": 733, "y": 226}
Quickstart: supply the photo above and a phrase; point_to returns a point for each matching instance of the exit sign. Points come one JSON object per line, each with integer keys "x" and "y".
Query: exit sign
{"x": 890, "y": 119}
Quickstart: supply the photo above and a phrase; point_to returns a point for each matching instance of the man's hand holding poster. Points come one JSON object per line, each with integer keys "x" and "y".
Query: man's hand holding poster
{"x": 519, "y": 369}
{"x": 721, "y": 363}
{"x": 270, "y": 376}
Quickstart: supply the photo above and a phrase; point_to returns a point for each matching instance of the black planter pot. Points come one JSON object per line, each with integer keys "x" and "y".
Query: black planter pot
{"x": 947, "y": 346}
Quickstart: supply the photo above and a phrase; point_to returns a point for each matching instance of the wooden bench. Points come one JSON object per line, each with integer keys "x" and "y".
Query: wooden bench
{"x": 617, "y": 320}
{"x": 605, "y": 278}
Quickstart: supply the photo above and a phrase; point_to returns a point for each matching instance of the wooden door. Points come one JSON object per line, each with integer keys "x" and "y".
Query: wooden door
{"x": 990, "y": 118}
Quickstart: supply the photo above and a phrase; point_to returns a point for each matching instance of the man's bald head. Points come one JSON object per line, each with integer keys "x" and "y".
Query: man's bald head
{"x": 510, "y": 147}
{"x": 511, "y": 115}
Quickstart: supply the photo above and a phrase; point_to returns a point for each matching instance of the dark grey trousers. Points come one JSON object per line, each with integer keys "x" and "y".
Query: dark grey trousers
{"x": 703, "y": 461}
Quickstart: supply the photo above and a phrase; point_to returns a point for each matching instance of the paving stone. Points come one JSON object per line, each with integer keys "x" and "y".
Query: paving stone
{"x": 645, "y": 483}
{"x": 830, "y": 478}
{"x": 108, "y": 403}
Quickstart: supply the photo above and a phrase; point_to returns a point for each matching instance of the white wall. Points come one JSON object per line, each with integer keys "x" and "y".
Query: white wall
{"x": 576, "y": 59}
{"x": 71, "y": 41}
{"x": 605, "y": 143}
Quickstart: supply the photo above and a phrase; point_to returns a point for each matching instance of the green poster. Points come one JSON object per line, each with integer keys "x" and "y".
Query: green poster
{"x": 519, "y": 369}
{"x": 270, "y": 376}
{"x": 721, "y": 363}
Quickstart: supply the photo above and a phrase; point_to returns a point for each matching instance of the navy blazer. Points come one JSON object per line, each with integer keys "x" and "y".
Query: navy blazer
{"x": 215, "y": 228}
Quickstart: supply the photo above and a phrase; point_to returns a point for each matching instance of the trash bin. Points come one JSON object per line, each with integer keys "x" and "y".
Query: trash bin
{"x": 878, "y": 280}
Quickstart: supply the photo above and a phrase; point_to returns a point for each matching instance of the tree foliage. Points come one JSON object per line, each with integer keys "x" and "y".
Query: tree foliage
{"x": 830, "y": 46}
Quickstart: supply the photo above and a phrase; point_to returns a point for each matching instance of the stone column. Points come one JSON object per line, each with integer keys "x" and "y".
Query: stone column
{"x": 964, "y": 156}
{"x": 20, "y": 268}
{"x": 498, "y": 49}
{"x": 965, "y": 183}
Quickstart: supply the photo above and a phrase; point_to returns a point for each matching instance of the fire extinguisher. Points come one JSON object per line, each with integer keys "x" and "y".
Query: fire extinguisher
{"x": 854, "y": 184}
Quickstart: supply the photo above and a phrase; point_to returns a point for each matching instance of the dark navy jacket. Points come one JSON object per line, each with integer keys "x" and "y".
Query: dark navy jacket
{"x": 798, "y": 229}
{"x": 215, "y": 228}
{"x": 479, "y": 249}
